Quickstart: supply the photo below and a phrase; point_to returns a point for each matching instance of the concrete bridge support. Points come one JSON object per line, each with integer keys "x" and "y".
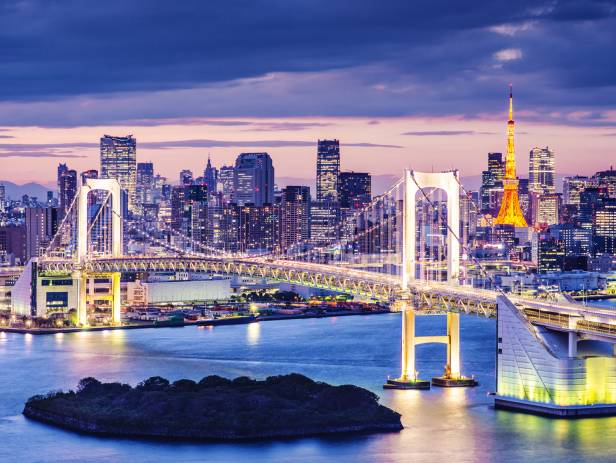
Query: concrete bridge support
{"x": 452, "y": 376}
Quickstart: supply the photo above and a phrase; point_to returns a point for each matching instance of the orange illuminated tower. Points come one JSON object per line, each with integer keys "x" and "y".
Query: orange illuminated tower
{"x": 510, "y": 212}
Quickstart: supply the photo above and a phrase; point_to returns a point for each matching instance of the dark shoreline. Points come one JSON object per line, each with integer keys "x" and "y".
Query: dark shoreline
{"x": 216, "y": 322}
{"x": 88, "y": 429}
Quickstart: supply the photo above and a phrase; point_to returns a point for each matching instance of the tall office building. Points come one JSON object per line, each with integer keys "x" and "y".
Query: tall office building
{"x": 545, "y": 209}
{"x": 145, "y": 185}
{"x": 258, "y": 228}
{"x": 607, "y": 179}
{"x": 354, "y": 190}
{"x": 41, "y": 226}
{"x": 119, "y": 161}
{"x": 572, "y": 187}
{"x": 225, "y": 183}
{"x": 541, "y": 171}
{"x": 189, "y": 211}
{"x": 210, "y": 177}
{"x": 294, "y": 215}
{"x": 328, "y": 170}
{"x": 253, "y": 179}
{"x": 604, "y": 228}
{"x": 2, "y": 199}
{"x": 67, "y": 188}
{"x": 496, "y": 167}
{"x": 591, "y": 199}
{"x": 492, "y": 183}
{"x": 510, "y": 212}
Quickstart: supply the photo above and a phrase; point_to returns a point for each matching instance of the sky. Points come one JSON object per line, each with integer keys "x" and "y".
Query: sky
{"x": 420, "y": 84}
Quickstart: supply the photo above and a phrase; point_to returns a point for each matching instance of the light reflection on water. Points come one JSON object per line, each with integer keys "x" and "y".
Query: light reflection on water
{"x": 440, "y": 424}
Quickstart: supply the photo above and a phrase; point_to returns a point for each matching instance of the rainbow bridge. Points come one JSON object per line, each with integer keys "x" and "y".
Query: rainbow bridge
{"x": 553, "y": 356}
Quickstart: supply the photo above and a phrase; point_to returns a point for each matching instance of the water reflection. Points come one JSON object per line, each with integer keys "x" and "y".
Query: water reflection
{"x": 253, "y": 333}
{"x": 440, "y": 424}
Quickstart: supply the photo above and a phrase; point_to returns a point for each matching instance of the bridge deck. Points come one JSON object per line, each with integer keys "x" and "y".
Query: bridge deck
{"x": 430, "y": 297}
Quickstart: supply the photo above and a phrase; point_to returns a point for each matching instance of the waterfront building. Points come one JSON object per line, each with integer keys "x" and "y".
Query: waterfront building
{"x": 510, "y": 212}
{"x": 541, "y": 171}
{"x": 253, "y": 179}
{"x": 328, "y": 170}
{"x": 119, "y": 161}
{"x": 354, "y": 190}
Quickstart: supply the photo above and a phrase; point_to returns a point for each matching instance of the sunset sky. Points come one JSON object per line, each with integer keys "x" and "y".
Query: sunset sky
{"x": 400, "y": 83}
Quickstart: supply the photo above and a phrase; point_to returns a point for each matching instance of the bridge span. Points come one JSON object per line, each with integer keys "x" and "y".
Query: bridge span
{"x": 539, "y": 365}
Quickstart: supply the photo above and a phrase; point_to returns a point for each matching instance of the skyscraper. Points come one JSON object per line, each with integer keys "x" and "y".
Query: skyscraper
{"x": 328, "y": 170}
{"x": 41, "y": 226}
{"x": 294, "y": 215}
{"x": 572, "y": 187}
{"x": 604, "y": 228}
{"x": 67, "y": 187}
{"x": 496, "y": 167}
{"x": 225, "y": 183}
{"x": 492, "y": 183}
{"x": 119, "y": 161}
{"x": 354, "y": 189}
{"x": 253, "y": 179}
{"x": 510, "y": 212}
{"x": 210, "y": 177}
{"x": 541, "y": 171}
{"x": 145, "y": 185}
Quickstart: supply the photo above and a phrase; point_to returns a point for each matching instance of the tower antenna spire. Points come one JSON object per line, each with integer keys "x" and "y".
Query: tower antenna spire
{"x": 510, "y": 102}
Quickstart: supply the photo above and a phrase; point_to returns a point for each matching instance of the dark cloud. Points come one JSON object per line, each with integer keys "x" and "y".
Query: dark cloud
{"x": 67, "y": 63}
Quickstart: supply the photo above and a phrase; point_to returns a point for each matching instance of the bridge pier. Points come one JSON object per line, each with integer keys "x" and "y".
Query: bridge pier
{"x": 408, "y": 375}
{"x": 572, "y": 344}
{"x": 452, "y": 376}
{"x": 82, "y": 300}
{"x": 116, "y": 299}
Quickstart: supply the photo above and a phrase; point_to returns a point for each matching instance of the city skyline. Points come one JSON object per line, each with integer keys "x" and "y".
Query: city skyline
{"x": 410, "y": 95}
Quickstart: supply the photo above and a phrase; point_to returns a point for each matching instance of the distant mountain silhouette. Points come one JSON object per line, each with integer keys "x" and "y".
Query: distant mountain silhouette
{"x": 15, "y": 191}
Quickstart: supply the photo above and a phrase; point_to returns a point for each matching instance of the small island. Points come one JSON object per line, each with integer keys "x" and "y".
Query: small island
{"x": 214, "y": 408}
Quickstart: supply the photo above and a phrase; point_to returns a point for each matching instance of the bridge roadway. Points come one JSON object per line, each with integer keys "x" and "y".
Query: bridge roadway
{"x": 429, "y": 297}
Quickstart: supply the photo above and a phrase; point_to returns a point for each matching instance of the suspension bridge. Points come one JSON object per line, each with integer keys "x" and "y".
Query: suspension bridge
{"x": 406, "y": 247}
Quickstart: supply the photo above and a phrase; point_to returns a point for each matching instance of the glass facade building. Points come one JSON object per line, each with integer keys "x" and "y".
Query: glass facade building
{"x": 328, "y": 170}
{"x": 119, "y": 161}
